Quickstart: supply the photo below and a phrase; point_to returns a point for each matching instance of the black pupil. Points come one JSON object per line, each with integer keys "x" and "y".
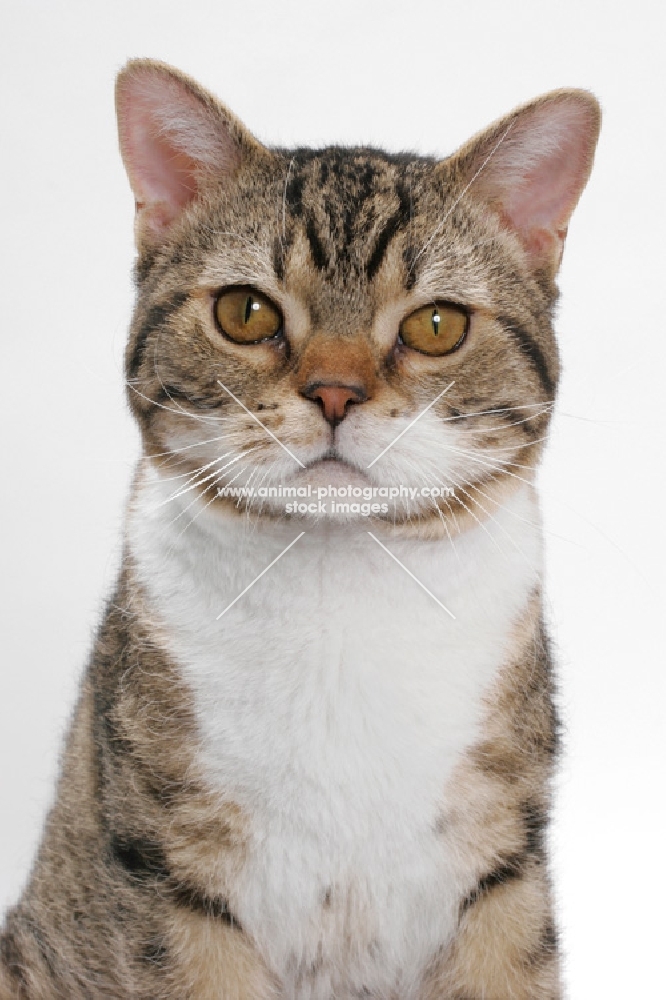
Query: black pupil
{"x": 249, "y": 302}
{"x": 435, "y": 322}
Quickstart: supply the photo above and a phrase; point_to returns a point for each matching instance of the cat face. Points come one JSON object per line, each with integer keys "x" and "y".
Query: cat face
{"x": 345, "y": 316}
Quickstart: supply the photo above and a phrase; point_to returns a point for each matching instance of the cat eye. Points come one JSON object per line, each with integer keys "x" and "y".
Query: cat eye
{"x": 246, "y": 316}
{"x": 435, "y": 329}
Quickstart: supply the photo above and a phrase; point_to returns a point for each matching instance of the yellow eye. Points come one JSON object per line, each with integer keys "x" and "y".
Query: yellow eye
{"x": 246, "y": 315}
{"x": 435, "y": 329}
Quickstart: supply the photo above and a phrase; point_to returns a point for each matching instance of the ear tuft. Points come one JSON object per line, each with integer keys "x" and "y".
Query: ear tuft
{"x": 532, "y": 166}
{"x": 175, "y": 138}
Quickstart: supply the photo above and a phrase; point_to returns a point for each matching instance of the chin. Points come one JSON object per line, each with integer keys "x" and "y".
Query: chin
{"x": 332, "y": 472}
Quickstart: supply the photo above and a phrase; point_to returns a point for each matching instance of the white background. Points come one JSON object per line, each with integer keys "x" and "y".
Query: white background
{"x": 408, "y": 75}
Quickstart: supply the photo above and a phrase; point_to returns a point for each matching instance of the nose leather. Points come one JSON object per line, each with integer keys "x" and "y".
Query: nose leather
{"x": 335, "y": 399}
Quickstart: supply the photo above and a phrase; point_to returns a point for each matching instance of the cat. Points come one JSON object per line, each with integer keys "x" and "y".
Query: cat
{"x": 313, "y": 749}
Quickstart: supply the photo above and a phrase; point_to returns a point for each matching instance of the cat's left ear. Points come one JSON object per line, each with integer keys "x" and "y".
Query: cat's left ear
{"x": 176, "y": 141}
{"x": 532, "y": 166}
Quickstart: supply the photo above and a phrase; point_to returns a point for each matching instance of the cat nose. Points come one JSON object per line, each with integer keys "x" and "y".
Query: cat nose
{"x": 334, "y": 399}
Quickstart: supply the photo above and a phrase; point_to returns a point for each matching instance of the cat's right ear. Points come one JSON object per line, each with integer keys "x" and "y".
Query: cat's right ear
{"x": 176, "y": 140}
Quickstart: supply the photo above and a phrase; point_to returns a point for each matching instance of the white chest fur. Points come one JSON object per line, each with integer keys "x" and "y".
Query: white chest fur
{"x": 333, "y": 700}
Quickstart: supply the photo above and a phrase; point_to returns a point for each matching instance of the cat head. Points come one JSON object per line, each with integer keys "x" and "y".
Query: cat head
{"x": 345, "y": 315}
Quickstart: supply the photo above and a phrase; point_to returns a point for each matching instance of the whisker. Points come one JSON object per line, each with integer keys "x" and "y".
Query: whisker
{"x": 523, "y": 520}
{"x": 496, "y": 522}
{"x": 266, "y": 474}
{"x": 500, "y": 466}
{"x": 247, "y": 498}
{"x": 166, "y": 392}
{"x": 445, "y": 524}
{"x": 197, "y": 499}
{"x": 478, "y": 520}
{"x": 171, "y": 409}
{"x": 200, "y": 482}
{"x": 497, "y": 427}
{"x": 189, "y": 475}
{"x": 188, "y": 447}
{"x": 284, "y": 206}
{"x": 493, "y": 466}
{"x": 499, "y": 450}
{"x": 464, "y": 191}
{"x": 185, "y": 509}
{"x": 233, "y": 480}
{"x": 193, "y": 519}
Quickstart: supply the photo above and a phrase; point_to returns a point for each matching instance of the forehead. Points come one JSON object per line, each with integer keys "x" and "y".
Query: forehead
{"x": 351, "y": 204}
{"x": 346, "y": 230}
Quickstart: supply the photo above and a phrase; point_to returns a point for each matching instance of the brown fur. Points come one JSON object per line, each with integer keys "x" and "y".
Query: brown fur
{"x": 126, "y": 898}
{"x": 505, "y": 788}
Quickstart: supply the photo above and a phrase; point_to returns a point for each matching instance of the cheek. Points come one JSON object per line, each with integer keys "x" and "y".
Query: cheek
{"x": 428, "y": 451}
{"x": 193, "y": 441}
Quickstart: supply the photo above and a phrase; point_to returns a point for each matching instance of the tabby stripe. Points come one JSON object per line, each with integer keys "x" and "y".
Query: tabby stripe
{"x": 398, "y": 219}
{"x": 144, "y": 264}
{"x": 535, "y": 820}
{"x": 156, "y": 317}
{"x": 155, "y": 953}
{"x": 549, "y": 939}
{"x": 163, "y": 790}
{"x": 319, "y": 255}
{"x": 278, "y": 258}
{"x": 142, "y": 859}
{"x": 511, "y": 870}
{"x": 45, "y": 950}
{"x": 294, "y": 192}
{"x": 531, "y": 350}
{"x": 212, "y": 906}
{"x": 12, "y": 949}
{"x": 12, "y": 958}
{"x": 145, "y": 863}
{"x": 520, "y": 420}
{"x": 412, "y": 263}
{"x": 547, "y": 947}
{"x": 168, "y": 391}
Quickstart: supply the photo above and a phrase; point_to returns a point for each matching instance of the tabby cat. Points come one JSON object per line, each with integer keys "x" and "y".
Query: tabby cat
{"x": 313, "y": 748}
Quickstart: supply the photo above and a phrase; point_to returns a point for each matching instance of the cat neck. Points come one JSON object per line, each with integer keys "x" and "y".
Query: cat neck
{"x": 220, "y": 551}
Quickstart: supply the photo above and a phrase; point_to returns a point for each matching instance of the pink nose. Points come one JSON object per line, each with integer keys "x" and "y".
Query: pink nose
{"x": 335, "y": 398}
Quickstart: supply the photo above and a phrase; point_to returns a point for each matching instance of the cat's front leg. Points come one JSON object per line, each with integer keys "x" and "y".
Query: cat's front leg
{"x": 506, "y": 946}
{"x": 196, "y": 960}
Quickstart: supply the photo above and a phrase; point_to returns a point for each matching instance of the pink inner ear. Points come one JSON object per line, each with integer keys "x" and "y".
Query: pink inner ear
{"x": 170, "y": 139}
{"x": 539, "y": 208}
{"x": 535, "y": 178}
{"x": 163, "y": 173}
{"x": 548, "y": 194}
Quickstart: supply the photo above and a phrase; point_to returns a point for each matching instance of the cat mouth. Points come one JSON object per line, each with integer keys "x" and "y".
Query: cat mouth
{"x": 331, "y": 469}
{"x": 334, "y": 462}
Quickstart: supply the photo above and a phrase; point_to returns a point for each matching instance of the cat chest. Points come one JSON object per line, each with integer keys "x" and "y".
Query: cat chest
{"x": 338, "y": 747}
{"x": 333, "y": 701}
